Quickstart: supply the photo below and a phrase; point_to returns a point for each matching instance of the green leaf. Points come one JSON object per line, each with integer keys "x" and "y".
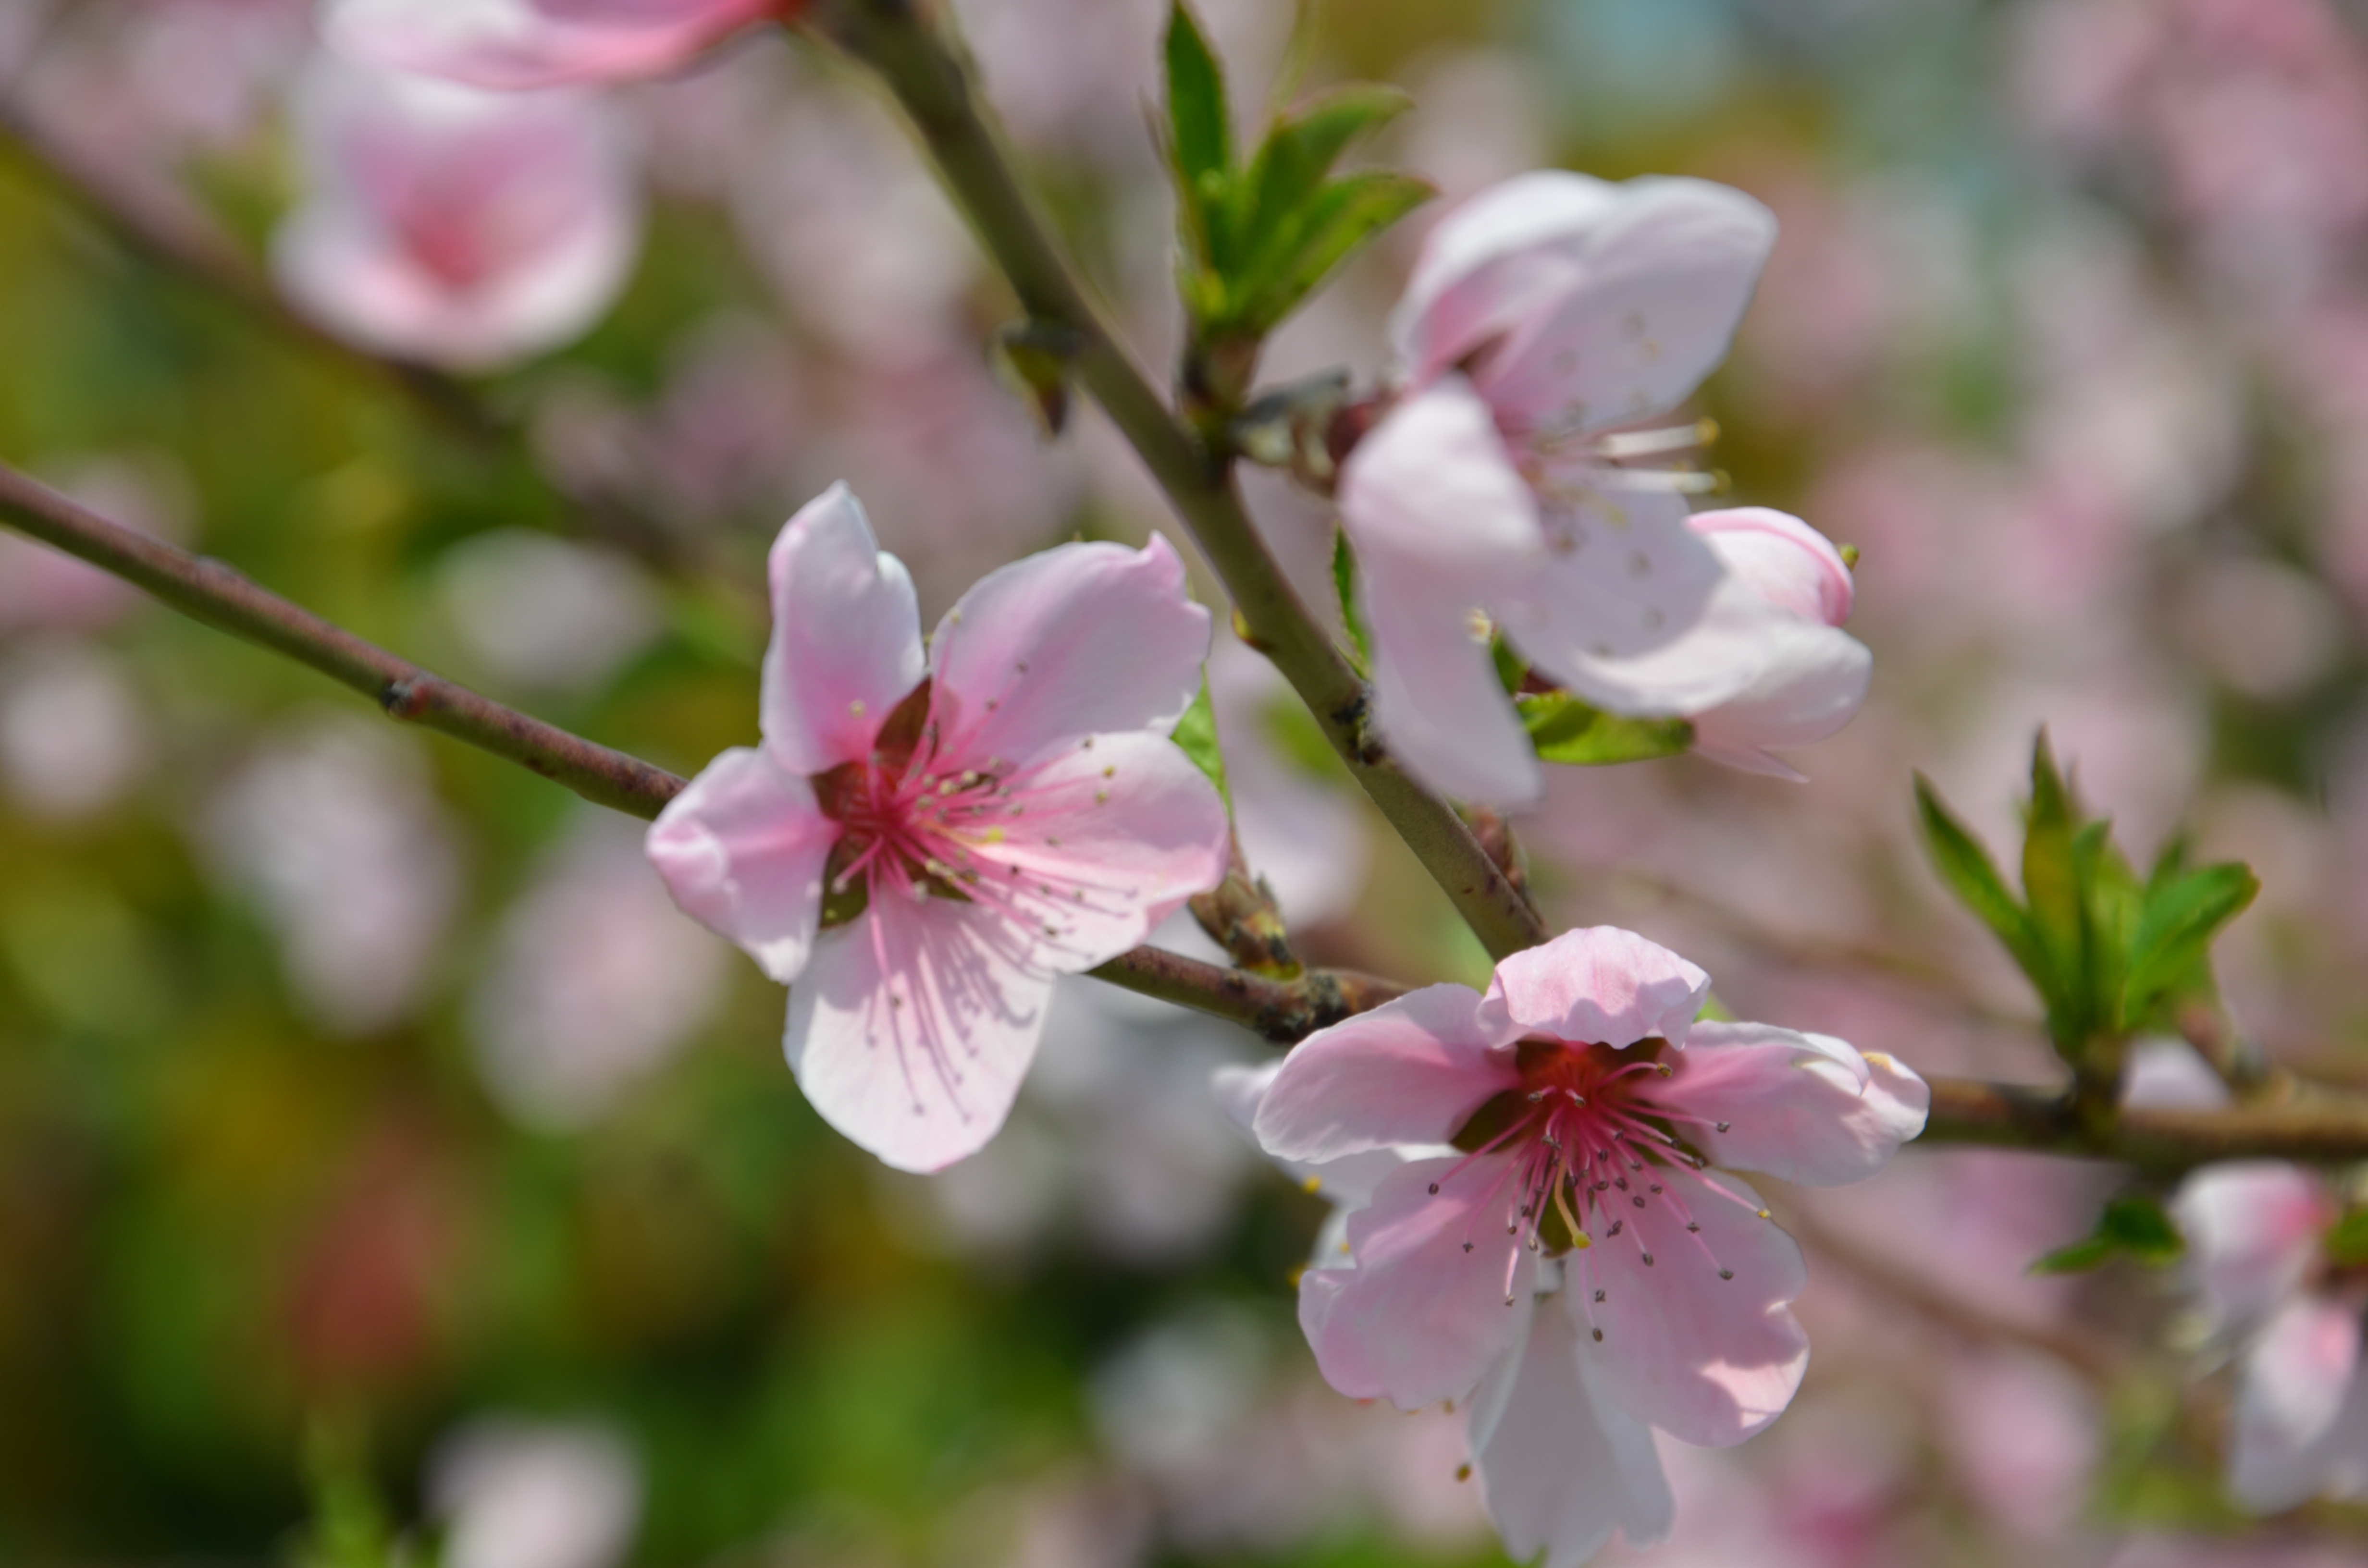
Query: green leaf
{"x": 1564, "y": 728}
{"x": 2051, "y": 887}
{"x": 1513, "y": 674}
{"x": 1337, "y": 223}
{"x": 1297, "y": 155}
{"x": 1199, "y": 122}
{"x": 1200, "y": 144}
{"x": 1967, "y": 868}
{"x": 2174, "y": 935}
{"x": 1197, "y": 734}
{"x": 2346, "y": 1242}
{"x": 2135, "y": 1227}
{"x": 1352, "y": 614}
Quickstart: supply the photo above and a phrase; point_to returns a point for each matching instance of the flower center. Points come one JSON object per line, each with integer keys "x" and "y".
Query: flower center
{"x": 905, "y": 827}
{"x": 1584, "y": 1146}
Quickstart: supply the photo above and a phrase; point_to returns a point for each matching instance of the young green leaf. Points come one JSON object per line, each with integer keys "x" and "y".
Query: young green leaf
{"x": 1967, "y": 868}
{"x": 2135, "y": 1227}
{"x": 1564, "y": 728}
{"x": 1197, "y": 734}
{"x": 1335, "y": 223}
{"x": 1296, "y": 156}
{"x": 2052, "y": 893}
{"x": 2346, "y": 1242}
{"x": 1199, "y": 148}
{"x": 1352, "y": 614}
{"x": 2174, "y": 935}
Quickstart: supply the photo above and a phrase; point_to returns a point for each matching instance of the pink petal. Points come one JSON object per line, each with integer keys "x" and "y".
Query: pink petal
{"x": 1635, "y": 612}
{"x": 1411, "y": 1071}
{"x": 1347, "y": 1183}
{"x": 1564, "y": 1466}
{"x": 912, "y": 1027}
{"x": 1433, "y": 486}
{"x": 1659, "y": 288}
{"x": 1709, "y": 1361}
{"x": 2297, "y": 1380}
{"x": 1079, "y": 639}
{"x": 742, "y": 849}
{"x": 1599, "y": 986}
{"x": 453, "y": 227}
{"x": 2252, "y": 1229}
{"x": 1100, "y": 843}
{"x": 511, "y": 44}
{"x": 847, "y": 636}
{"x": 1420, "y": 1319}
{"x": 1497, "y": 258}
{"x": 1785, "y": 560}
{"x": 1814, "y": 683}
{"x": 1802, "y": 1107}
{"x": 1439, "y": 706}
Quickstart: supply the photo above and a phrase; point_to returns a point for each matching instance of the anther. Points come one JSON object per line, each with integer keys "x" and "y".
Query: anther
{"x": 1434, "y": 1189}
{"x": 1599, "y": 1295}
{"x": 1599, "y": 1336}
{"x": 1695, "y": 1226}
{"x": 1638, "y": 1199}
{"x": 1724, "y": 1125}
{"x": 1648, "y": 1260}
{"x": 1727, "y": 1274}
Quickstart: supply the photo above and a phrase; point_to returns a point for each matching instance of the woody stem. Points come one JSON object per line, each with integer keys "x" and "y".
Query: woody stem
{"x": 931, "y": 84}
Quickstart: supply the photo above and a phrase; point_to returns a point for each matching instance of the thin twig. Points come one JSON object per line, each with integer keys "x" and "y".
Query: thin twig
{"x": 213, "y": 593}
{"x": 930, "y": 82}
{"x": 2035, "y": 1118}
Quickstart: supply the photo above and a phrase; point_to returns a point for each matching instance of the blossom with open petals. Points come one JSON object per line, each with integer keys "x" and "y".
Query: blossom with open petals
{"x": 460, "y": 227}
{"x": 1816, "y": 674}
{"x": 925, "y": 838}
{"x": 2254, "y": 1231}
{"x": 1498, "y": 492}
{"x": 535, "y": 43}
{"x": 1581, "y": 1266}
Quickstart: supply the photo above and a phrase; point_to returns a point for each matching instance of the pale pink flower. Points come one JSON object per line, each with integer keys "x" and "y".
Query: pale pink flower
{"x": 1587, "y": 1094}
{"x": 1816, "y": 674}
{"x": 1004, "y": 808}
{"x": 460, "y": 227}
{"x": 518, "y": 1492}
{"x": 1495, "y": 494}
{"x": 508, "y": 44}
{"x": 2253, "y": 1230}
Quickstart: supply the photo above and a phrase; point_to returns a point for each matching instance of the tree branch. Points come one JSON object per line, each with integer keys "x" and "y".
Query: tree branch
{"x": 213, "y": 593}
{"x": 2327, "y": 1129}
{"x": 894, "y": 39}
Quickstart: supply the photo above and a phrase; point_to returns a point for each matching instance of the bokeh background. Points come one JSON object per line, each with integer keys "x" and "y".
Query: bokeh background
{"x": 385, "y": 1167}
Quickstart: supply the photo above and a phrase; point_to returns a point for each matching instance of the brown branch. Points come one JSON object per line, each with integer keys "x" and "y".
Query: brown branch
{"x": 2325, "y": 1129}
{"x": 213, "y": 593}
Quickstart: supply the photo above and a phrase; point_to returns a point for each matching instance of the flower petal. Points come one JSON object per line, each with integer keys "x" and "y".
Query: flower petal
{"x": 912, "y": 1027}
{"x": 1433, "y": 486}
{"x": 1495, "y": 258}
{"x": 1599, "y": 986}
{"x": 1097, "y": 844}
{"x": 1814, "y": 681}
{"x": 1801, "y": 1107}
{"x": 513, "y": 44}
{"x": 1566, "y": 1466}
{"x": 1419, "y": 1318}
{"x": 1079, "y": 639}
{"x": 1785, "y": 560}
{"x": 742, "y": 850}
{"x": 1708, "y": 1359}
{"x": 1438, "y": 704}
{"x": 1657, "y": 289}
{"x": 1635, "y": 612}
{"x": 1411, "y": 1071}
{"x": 847, "y": 636}
{"x": 2252, "y": 1229}
{"x": 1348, "y": 1183}
{"x": 2297, "y": 1379}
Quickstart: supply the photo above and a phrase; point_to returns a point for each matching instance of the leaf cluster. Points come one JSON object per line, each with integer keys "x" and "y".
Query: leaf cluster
{"x": 1258, "y": 236}
{"x": 2109, "y": 954}
{"x": 2134, "y": 1226}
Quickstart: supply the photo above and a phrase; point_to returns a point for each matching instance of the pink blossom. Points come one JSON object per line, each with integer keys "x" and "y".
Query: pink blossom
{"x": 1496, "y": 494}
{"x": 510, "y": 44}
{"x": 977, "y": 819}
{"x": 453, "y": 226}
{"x": 2254, "y": 1231}
{"x": 1593, "y": 1109}
{"x": 1817, "y": 674}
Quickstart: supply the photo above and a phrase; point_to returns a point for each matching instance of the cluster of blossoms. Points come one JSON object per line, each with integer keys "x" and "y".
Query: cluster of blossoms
{"x": 1537, "y": 1214}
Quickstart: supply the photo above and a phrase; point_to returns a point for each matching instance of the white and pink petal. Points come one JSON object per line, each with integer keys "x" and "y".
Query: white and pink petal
{"x": 742, "y": 849}
{"x": 845, "y": 646}
{"x": 1802, "y": 1107}
{"x": 1411, "y": 1071}
{"x": 1598, "y": 985}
